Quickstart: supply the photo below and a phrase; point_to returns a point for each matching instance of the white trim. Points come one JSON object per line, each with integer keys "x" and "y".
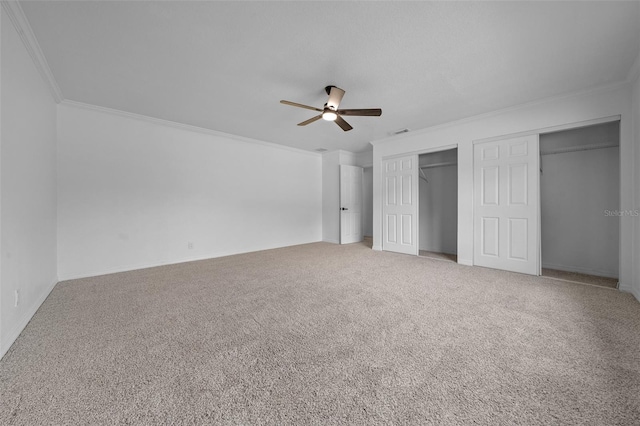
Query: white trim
{"x": 330, "y": 240}
{"x": 466, "y": 262}
{"x": 629, "y": 289}
{"x": 426, "y": 130}
{"x": 350, "y": 154}
{"x": 181, "y": 126}
{"x": 135, "y": 267}
{"x": 552, "y": 129}
{"x": 626, "y": 289}
{"x": 14, "y": 333}
{"x": 419, "y": 152}
{"x": 2, "y": 351}
{"x": 22, "y": 26}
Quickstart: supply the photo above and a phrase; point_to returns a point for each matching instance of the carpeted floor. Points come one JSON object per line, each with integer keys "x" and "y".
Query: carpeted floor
{"x": 580, "y": 278}
{"x": 437, "y": 255}
{"x": 325, "y": 334}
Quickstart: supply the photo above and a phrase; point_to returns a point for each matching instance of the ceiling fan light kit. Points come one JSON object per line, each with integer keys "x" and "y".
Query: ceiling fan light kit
{"x": 329, "y": 115}
{"x": 330, "y": 112}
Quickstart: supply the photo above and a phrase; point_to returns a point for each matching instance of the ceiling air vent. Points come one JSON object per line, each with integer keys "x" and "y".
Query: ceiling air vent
{"x": 399, "y": 132}
{"x": 320, "y": 150}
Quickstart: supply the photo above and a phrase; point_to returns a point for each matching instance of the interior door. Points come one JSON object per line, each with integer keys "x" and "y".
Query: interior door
{"x": 506, "y": 204}
{"x": 350, "y": 204}
{"x": 400, "y": 205}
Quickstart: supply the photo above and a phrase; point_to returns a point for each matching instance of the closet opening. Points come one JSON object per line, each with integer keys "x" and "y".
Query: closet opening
{"x": 580, "y": 204}
{"x": 438, "y": 205}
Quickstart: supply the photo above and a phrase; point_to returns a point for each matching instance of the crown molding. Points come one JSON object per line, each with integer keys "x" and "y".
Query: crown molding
{"x": 610, "y": 87}
{"x": 181, "y": 126}
{"x": 16, "y": 15}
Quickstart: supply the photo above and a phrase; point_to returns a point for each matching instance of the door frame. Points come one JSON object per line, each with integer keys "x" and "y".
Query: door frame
{"x": 431, "y": 151}
{"x": 551, "y": 129}
{"x": 417, "y": 154}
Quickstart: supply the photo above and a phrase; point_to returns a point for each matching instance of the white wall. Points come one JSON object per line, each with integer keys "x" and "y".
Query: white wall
{"x": 27, "y": 187}
{"x": 591, "y": 105}
{"x": 438, "y": 210}
{"x": 636, "y": 178}
{"x": 134, "y": 193}
{"x": 576, "y": 190}
{"x": 367, "y": 206}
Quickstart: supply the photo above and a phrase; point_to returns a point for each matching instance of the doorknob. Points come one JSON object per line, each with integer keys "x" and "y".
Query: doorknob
{"x": 343, "y": 208}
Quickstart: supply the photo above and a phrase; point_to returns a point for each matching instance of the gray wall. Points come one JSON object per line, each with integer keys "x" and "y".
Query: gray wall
{"x": 367, "y": 207}
{"x": 576, "y": 188}
{"x": 438, "y": 208}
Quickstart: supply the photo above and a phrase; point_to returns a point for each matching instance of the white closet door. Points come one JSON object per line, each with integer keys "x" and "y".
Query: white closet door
{"x": 350, "y": 204}
{"x": 506, "y": 204}
{"x": 400, "y": 205}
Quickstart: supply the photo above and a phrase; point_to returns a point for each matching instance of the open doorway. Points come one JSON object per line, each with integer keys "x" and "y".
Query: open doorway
{"x": 580, "y": 202}
{"x": 438, "y": 205}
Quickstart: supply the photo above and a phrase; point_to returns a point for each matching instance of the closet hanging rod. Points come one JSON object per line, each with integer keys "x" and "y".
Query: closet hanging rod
{"x": 578, "y": 148}
{"x": 429, "y": 166}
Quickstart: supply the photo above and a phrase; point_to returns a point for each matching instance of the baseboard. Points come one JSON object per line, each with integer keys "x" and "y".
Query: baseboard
{"x": 466, "y": 262}
{"x": 626, "y": 288}
{"x": 11, "y": 337}
{"x": 376, "y": 248}
{"x": 135, "y": 267}
{"x": 580, "y": 270}
{"x": 327, "y": 240}
{"x": 629, "y": 289}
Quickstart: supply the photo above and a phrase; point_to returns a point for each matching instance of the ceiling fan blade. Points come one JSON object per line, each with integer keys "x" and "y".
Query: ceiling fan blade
{"x": 335, "y": 96}
{"x": 300, "y": 105}
{"x": 371, "y": 112}
{"x": 345, "y": 126}
{"x": 311, "y": 120}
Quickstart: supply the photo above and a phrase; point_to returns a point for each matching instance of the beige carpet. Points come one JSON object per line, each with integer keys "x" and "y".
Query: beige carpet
{"x": 440, "y": 256}
{"x": 580, "y": 278}
{"x": 325, "y": 334}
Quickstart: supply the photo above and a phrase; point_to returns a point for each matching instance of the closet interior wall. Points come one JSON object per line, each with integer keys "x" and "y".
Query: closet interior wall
{"x": 580, "y": 200}
{"x": 438, "y": 202}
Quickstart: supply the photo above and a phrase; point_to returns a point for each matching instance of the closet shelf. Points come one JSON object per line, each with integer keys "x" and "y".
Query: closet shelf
{"x": 578, "y": 148}
{"x": 430, "y": 166}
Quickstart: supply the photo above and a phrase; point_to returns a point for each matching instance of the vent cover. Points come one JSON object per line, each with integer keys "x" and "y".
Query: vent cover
{"x": 399, "y": 132}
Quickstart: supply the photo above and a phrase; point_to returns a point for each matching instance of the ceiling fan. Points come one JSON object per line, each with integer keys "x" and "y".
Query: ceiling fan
{"x": 331, "y": 111}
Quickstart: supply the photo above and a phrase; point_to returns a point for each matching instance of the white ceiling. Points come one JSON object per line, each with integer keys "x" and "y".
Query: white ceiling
{"x": 225, "y": 65}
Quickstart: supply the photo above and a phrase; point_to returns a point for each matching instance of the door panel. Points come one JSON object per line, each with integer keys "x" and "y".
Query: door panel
{"x": 506, "y": 206}
{"x": 490, "y": 236}
{"x": 350, "y": 204}
{"x": 400, "y": 207}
